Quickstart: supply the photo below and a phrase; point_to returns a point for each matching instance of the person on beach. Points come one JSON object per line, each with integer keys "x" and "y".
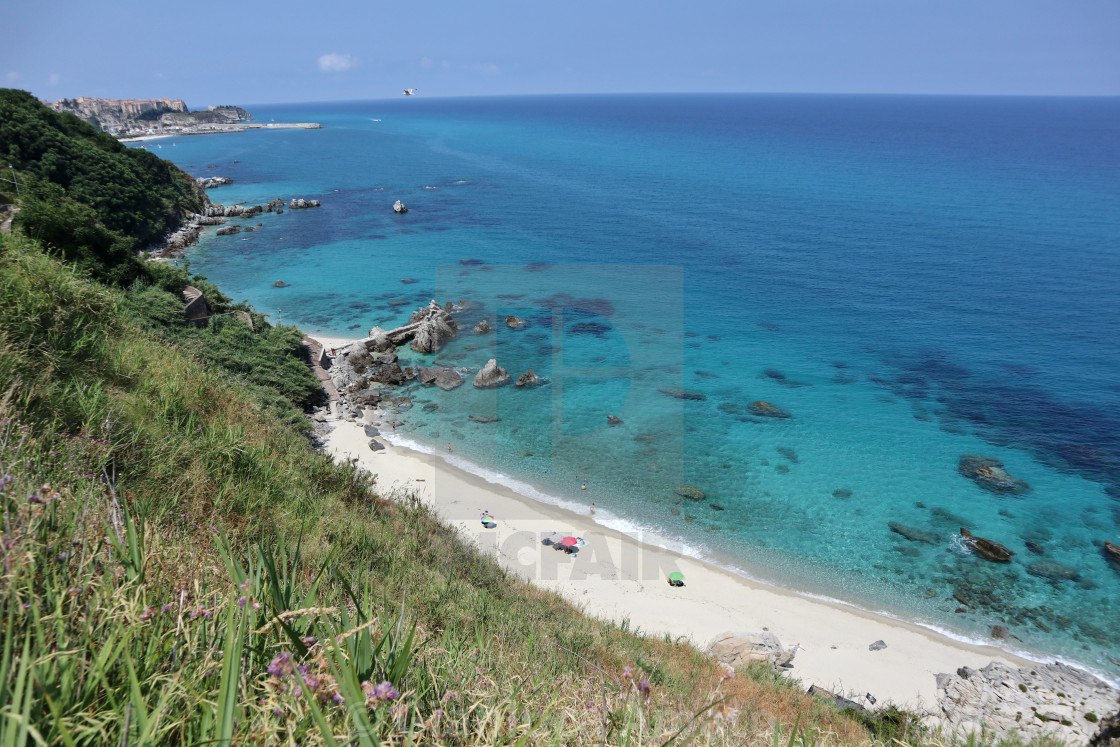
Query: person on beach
{"x": 592, "y": 509}
{"x": 449, "y": 448}
{"x": 583, "y": 486}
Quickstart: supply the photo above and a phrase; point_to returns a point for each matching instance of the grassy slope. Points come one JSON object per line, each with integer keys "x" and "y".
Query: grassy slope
{"x": 87, "y": 393}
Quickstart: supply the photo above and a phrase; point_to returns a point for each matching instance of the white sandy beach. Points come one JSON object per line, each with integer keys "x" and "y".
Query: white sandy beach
{"x": 618, "y": 577}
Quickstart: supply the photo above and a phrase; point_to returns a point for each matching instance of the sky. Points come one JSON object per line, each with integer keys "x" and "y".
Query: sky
{"x": 249, "y": 52}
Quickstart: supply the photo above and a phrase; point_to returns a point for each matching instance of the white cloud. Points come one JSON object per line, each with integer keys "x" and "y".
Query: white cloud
{"x": 12, "y": 77}
{"x": 444, "y": 64}
{"x": 54, "y": 79}
{"x": 426, "y": 62}
{"x": 336, "y": 63}
{"x": 485, "y": 67}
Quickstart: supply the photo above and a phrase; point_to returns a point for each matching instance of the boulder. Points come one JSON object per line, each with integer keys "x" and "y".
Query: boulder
{"x": 690, "y": 491}
{"x": 491, "y": 376}
{"x": 764, "y": 409}
{"x": 612, "y": 420}
{"x": 740, "y": 649}
{"x": 986, "y": 548}
{"x": 988, "y": 473}
{"x": 448, "y": 379}
{"x": 913, "y": 534}
{"x": 528, "y": 379}
{"x": 299, "y": 204}
{"x": 839, "y": 700}
{"x": 229, "y": 230}
{"x": 1112, "y": 550}
{"x": 482, "y": 327}
{"x": 399, "y": 207}
{"x": 371, "y": 431}
{"x": 877, "y": 646}
{"x": 196, "y": 311}
{"x": 376, "y": 445}
{"x": 678, "y": 393}
{"x": 280, "y": 284}
{"x": 513, "y": 322}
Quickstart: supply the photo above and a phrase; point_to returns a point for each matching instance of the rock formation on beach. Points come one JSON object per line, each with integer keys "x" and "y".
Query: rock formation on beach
{"x": 1051, "y": 700}
{"x": 740, "y": 649}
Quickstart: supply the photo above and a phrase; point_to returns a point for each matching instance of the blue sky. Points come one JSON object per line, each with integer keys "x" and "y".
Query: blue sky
{"x": 283, "y": 51}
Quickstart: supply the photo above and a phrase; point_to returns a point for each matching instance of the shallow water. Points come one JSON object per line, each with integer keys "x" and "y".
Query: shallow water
{"x": 912, "y": 278}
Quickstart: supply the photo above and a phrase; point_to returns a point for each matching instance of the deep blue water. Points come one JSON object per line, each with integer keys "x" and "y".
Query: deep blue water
{"x": 913, "y": 278}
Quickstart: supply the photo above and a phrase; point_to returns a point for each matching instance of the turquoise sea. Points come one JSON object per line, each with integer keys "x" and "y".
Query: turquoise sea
{"x": 913, "y": 279}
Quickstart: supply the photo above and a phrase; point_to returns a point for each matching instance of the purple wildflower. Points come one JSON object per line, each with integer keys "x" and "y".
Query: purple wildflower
{"x": 241, "y": 602}
{"x": 643, "y": 688}
{"x": 386, "y": 691}
{"x": 309, "y": 640}
{"x": 146, "y": 614}
{"x": 281, "y": 665}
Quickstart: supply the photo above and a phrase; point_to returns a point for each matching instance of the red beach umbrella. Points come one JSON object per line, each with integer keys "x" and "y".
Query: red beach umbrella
{"x": 569, "y": 541}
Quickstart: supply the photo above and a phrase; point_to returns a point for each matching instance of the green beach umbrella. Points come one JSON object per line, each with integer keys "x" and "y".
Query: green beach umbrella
{"x": 676, "y": 576}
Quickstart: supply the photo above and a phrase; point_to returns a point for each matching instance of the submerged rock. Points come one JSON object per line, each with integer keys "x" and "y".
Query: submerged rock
{"x": 913, "y": 534}
{"x": 513, "y": 322}
{"x": 482, "y": 327}
{"x": 484, "y": 418}
{"x": 764, "y": 409}
{"x": 986, "y": 548}
{"x": 612, "y": 420}
{"x": 988, "y": 473}
{"x": 690, "y": 491}
{"x": 1053, "y": 571}
{"x": 1112, "y": 551}
{"x": 678, "y": 393}
{"x": 492, "y": 375}
{"x": 280, "y": 284}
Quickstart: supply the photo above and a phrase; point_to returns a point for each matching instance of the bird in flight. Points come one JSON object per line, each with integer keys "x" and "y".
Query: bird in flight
{"x": 409, "y": 91}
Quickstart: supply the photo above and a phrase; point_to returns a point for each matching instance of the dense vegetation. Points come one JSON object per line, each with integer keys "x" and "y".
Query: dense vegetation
{"x": 179, "y": 567}
{"x": 85, "y": 194}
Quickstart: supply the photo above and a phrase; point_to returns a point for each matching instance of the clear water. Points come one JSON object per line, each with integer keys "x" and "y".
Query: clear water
{"x": 913, "y": 278}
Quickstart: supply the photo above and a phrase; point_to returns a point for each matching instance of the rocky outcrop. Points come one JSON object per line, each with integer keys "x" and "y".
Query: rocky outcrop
{"x": 209, "y": 182}
{"x": 764, "y": 409}
{"x": 281, "y": 284}
{"x": 229, "y": 230}
{"x": 612, "y": 420}
{"x": 299, "y": 204}
{"x": 528, "y": 379}
{"x": 491, "y": 376}
{"x": 482, "y": 327}
{"x": 740, "y": 649}
{"x": 399, "y": 208}
{"x": 986, "y": 548}
{"x": 1045, "y": 700}
{"x": 513, "y": 322}
{"x": 434, "y": 327}
{"x": 988, "y": 473}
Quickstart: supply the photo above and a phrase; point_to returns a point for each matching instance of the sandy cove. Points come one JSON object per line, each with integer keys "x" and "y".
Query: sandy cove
{"x": 617, "y": 577}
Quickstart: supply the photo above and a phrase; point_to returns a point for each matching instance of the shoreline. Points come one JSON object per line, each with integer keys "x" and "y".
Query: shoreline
{"x": 219, "y": 130}
{"x": 621, "y": 577}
